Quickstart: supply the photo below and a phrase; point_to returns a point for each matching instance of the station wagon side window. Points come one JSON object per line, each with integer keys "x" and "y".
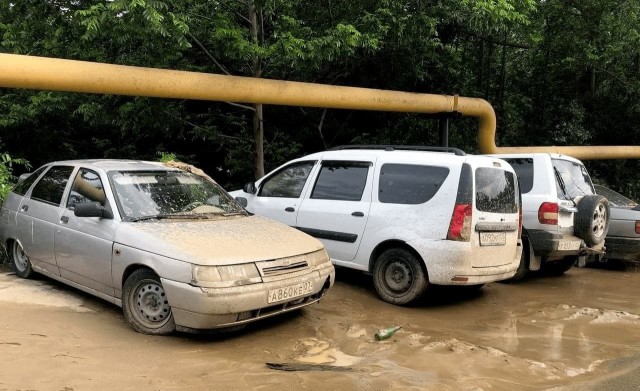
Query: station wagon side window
{"x": 409, "y": 183}
{"x": 51, "y": 186}
{"x": 524, "y": 170}
{"x": 341, "y": 181}
{"x": 23, "y": 187}
{"x": 288, "y": 182}
{"x": 87, "y": 187}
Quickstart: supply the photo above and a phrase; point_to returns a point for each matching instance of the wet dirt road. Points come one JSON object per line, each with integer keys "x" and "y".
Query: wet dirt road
{"x": 580, "y": 331}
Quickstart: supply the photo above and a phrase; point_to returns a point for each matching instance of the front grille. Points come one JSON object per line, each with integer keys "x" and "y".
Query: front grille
{"x": 281, "y": 269}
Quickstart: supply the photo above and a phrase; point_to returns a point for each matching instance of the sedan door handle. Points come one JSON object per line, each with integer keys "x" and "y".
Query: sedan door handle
{"x": 64, "y": 219}
{"x": 289, "y": 209}
{"x": 24, "y": 208}
{"x": 357, "y": 214}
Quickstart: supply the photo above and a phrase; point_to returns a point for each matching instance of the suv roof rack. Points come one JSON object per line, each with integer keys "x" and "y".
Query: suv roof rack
{"x": 456, "y": 151}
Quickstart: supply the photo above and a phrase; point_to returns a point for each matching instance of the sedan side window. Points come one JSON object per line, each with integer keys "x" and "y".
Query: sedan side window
{"x": 22, "y": 187}
{"x": 343, "y": 181}
{"x": 289, "y": 182}
{"x": 87, "y": 187}
{"x": 50, "y": 188}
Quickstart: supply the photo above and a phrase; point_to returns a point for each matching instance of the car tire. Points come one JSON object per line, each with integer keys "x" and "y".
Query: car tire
{"x": 399, "y": 277}
{"x": 591, "y": 223}
{"x": 558, "y": 268}
{"x": 523, "y": 266}
{"x": 145, "y": 304}
{"x": 20, "y": 261}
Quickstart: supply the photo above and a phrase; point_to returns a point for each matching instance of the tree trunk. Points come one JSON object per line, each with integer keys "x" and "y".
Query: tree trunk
{"x": 258, "y": 117}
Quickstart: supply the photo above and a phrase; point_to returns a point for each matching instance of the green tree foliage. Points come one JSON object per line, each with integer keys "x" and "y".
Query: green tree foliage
{"x": 557, "y": 73}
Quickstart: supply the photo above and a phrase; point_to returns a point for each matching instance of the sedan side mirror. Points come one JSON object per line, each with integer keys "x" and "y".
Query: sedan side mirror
{"x": 91, "y": 209}
{"x": 249, "y": 188}
{"x": 242, "y": 201}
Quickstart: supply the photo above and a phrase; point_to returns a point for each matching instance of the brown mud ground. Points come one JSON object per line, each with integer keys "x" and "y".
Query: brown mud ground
{"x": 579, "y": 331}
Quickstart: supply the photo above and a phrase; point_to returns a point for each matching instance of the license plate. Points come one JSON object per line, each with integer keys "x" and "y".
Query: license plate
{"x": 569, "y": 245}
{"x": 493, "y": 238}
{"x": 289, "y": 292}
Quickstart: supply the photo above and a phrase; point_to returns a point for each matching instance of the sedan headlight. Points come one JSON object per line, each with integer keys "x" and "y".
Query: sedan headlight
{"x": 225, "y": 276}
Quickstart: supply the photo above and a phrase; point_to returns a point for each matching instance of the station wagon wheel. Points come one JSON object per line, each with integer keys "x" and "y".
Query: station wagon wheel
{"x": 145, "y": 304}
{"x": 399, "y": 277}
{"x": 20, "y": 261}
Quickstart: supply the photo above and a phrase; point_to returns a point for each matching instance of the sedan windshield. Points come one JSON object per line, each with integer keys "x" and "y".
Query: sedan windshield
{"x": 165, "y": 194}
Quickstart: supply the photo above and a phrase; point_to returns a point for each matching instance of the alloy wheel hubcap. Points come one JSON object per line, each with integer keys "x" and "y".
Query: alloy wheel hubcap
{"x": 599, "y": 221}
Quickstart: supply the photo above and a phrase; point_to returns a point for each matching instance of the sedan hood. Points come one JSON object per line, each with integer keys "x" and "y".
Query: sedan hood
{"x": 223, "y": 241}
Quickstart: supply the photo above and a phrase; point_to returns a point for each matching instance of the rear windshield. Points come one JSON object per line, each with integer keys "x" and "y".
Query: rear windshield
{"x": 496, "y": 191}
{"x": 615, "y": 198}
{"x": 572, "y": 179}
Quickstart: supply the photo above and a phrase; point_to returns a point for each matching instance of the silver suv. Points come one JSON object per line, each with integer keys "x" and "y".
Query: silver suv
{"x": 564, "y": 219}
{"x": 411, "y": 216}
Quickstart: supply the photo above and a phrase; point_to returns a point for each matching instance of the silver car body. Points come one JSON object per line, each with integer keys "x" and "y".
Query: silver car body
{"x": 97, "y": 254}
{"x": 623, "y": 239}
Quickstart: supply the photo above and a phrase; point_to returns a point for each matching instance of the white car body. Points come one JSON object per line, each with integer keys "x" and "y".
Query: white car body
{"x": 363, "y": 228}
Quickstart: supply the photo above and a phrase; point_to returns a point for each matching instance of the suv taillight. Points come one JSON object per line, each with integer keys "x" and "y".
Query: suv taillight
{"x": 460, "y": 225}
{"x": 548, "y": 213}
{"x": 638, "y": 227}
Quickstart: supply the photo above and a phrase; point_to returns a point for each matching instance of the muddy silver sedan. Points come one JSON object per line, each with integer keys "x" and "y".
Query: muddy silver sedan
{"x": 172, "y": 248}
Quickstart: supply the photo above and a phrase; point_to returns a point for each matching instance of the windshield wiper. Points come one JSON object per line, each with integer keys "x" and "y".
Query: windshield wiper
{"x": 167, "y": 216}
{"x": 563, "y": 187}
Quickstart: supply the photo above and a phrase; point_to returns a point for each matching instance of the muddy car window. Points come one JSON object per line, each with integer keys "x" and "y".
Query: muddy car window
{"x": 86, "y": 187}
{"x": 410, "y": 184}
{"x": 572, "y": 179}
{"x": 524, "y": 169}
{"x": 170, "y": 193}
{"x": 289, "y": 182}
{"x": 495, "y": 191}
{"x": 51, "y": 187}
{"x": 615, "y": 198}
{"x": 341, "y": 181}
{"x": 22, "y": 187}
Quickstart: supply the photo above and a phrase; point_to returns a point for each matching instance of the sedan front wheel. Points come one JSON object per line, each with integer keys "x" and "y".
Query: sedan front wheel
{"x": 145, "y": 304}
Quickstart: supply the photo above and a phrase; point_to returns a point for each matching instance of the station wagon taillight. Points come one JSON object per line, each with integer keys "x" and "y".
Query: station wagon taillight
{"x": 460, "y": 225}
{"x": 548, "y": 213}
{"x": 638, "y": 227}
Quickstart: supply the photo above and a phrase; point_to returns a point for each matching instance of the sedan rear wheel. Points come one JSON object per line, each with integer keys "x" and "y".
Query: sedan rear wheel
{"x": 145, "y": 304}
{"x": 20, "y": 261}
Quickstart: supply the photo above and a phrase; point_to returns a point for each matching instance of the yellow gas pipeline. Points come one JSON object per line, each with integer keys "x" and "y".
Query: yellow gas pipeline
{"x": 41, "y": 73}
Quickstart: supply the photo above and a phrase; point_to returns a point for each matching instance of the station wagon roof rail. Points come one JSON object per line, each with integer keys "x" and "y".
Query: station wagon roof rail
{"x": 456, "y": 151}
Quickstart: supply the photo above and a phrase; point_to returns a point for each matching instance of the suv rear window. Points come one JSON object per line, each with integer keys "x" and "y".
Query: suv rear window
{"x": 524, "y": 170}
{"x": 409, "y": 184}
{"x": 572, "y": 179}
{"x": 496, "y": 191}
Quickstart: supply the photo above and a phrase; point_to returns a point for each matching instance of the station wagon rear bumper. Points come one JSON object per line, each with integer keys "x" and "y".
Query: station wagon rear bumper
{"x": 196, "y": 308}
{"x": 627, "y": 249}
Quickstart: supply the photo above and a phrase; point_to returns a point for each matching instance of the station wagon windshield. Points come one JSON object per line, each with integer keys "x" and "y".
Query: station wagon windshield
{"x": 167, "y": 194}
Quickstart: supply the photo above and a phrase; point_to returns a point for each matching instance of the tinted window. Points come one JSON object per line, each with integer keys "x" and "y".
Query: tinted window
{"x": 524, "y": 170}
{"x": 22, "y": 187}
{"x": 288, "y": 182}
{"x": 341, "y": 181}
{"x": 572, "y": 179}
{"x": 51, "y": 186}
{"x": 496, "y": 191}
{"x": 409, "y": 184}
{"x": 87, "y": 187}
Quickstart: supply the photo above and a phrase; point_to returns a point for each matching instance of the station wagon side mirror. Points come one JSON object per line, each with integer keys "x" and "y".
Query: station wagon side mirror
{"x": 92, "y": 209}
{"x": 250, "y": 188}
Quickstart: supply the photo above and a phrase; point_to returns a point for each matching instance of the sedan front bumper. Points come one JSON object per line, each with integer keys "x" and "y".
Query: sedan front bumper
{"x": 196, "y": 308}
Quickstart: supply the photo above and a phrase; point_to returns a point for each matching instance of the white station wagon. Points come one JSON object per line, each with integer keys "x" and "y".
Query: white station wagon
{"x": 172, "y": 248}
{"x": 411, "y": 216}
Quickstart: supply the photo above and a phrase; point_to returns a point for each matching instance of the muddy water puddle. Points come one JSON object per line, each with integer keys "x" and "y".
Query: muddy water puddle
{"x": 545, "y": 333}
